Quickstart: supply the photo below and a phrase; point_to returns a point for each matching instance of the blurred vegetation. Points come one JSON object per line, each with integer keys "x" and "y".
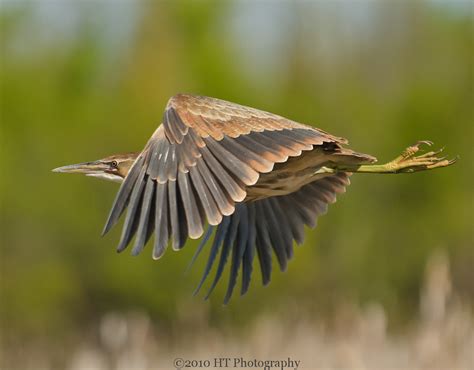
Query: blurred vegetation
{"x": 403, "y": 74}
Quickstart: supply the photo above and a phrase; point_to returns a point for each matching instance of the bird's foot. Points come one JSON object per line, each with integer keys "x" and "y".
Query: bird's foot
{"x": 408, "y": 162}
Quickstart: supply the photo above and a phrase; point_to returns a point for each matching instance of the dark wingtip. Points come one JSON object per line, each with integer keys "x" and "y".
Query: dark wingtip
{"x": 211, "y": 289}
{"x": 196, "y": 291}
{"x": 228, "y": 294}
{"x": 109, "y": 223}
{"x": 204, "y": 241}
{"x": 201, "y": 283}
{"x": 105, "y": 230}
{"x": 122, "y": 245}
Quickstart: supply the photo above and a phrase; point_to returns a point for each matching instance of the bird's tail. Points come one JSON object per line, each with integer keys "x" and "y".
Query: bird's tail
{"x": 348, "y": 156}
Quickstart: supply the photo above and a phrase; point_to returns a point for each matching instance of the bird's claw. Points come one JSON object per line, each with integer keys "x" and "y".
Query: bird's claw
{"x": 408, "y": 162}
{"x": 412, "y": 150}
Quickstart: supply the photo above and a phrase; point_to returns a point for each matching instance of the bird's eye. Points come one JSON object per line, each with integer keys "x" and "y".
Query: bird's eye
{"x": 114, "y": 164}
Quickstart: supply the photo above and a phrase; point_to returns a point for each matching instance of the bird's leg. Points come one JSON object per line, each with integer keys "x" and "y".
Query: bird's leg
{"x": 407, "y": 162}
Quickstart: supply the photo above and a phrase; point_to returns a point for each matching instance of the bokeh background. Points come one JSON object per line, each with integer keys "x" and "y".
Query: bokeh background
{"x": 386, "y": 279}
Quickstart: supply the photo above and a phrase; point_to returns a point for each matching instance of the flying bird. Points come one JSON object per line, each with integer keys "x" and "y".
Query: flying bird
{"x": 253, "y": 178}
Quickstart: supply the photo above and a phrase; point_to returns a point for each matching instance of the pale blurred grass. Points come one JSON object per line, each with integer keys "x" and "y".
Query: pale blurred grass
{"x": 355, "y": 337}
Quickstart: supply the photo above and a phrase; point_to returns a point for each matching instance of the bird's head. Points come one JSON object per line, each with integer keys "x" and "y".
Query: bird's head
{"x": 113, "y": 168}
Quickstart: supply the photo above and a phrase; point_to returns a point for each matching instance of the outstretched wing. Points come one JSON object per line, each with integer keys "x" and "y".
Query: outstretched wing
{"x": 198, "y": 165}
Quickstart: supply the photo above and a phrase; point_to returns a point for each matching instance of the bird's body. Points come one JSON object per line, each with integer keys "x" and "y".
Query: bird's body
{"x": 255, "y": 177}
{"x": 290, "y": 176}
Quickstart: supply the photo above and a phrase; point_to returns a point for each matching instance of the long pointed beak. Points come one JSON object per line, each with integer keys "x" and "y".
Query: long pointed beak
{"x": 86, "y": 168}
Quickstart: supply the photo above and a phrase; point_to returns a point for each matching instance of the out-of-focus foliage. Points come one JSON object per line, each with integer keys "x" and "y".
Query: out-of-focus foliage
{"x": 383, "y": 75}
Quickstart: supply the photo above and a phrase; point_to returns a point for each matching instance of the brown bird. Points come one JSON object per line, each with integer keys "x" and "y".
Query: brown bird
{"x": 254, "y": 177}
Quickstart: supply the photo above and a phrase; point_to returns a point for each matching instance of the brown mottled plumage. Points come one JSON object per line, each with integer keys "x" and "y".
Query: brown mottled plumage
{"x": 254, "y": 177}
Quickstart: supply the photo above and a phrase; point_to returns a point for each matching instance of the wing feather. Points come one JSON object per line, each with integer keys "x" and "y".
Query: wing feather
{"x": 238, "y": 251}
{"x": 270, "y": 142}
{"x": 143, "y": 225}
{"x": 131, "y": 222}
{"x": 213, "y": 215}
{"x": 235, "y": 190}
{"x": 216, "y": 244}
{"x": 284, "y": 227}
{"x": 255, "y": 161}
{"x": 168, "y": 167}
{"x": 306, "y": 210}
{"x": 226, "y": 205}
{"x": 249, "y": 250}
{"x": 279, "y": 137}
{"x": 226, "y": 247}
{"x": 270, "y": 153}
{"x": 294, "y": 219}
{"x": 263, "y": 244}
{"x": 193, "y": 217}
{"x": 161, "y": 220}
{"x": 175, "y": 127}
{"x": 276, "y": 237}
{"x": 237, "y": 167}
{"x": 158, "y": 149}
{"x": 173, "y": 215}
{"x": 123, "y": 195}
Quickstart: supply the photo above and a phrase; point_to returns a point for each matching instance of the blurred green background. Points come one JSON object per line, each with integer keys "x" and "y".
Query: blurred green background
{"x": 82, "y": 80}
